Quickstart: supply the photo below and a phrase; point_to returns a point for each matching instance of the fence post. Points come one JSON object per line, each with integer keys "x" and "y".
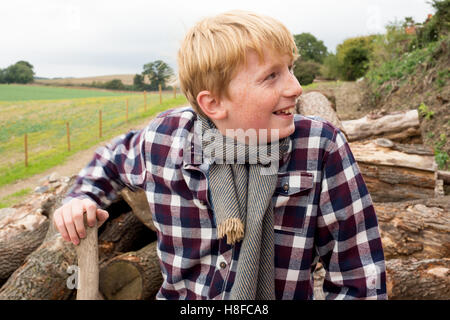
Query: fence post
{"x": 174, "y": 92}
{"x": 145, "y": 101}
{"x": 26, "y": 150}
{"x": 160, "y": 94}
{"x": 127, "y": 112}
{"x": 100, "y": 122}
{"x": 68, "y": 136}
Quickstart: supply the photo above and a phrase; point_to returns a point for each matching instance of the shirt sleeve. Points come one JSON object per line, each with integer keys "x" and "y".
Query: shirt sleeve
{"x": 118, "y": 164}
{"x": 347, "y": 235}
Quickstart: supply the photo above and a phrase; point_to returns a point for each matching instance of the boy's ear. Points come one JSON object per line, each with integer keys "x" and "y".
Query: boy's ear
{"x": 211, "y": 106}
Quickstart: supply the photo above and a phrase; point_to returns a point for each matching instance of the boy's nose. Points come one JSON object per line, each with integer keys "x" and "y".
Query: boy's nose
{"x": 293, "y": 87}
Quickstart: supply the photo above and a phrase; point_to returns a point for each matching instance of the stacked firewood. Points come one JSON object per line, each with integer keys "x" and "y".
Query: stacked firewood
{"x": 408, "y": 191}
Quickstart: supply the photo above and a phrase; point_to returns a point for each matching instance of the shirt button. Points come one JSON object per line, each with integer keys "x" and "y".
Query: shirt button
{"x": 223, "y": 265}
{"x": 286, "y": 187}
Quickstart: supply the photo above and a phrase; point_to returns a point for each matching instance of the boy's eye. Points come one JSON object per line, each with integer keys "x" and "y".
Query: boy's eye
{"x": 271, "y": 76}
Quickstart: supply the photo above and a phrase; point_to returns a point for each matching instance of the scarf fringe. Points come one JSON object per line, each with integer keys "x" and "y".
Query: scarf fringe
{"x": 233, "y": 228}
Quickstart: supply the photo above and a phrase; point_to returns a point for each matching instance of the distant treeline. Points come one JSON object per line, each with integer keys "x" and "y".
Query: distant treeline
{"x": 156, "y": 73}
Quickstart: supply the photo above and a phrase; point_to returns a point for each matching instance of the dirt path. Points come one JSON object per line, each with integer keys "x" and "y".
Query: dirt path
{"x": 72, "y": 166}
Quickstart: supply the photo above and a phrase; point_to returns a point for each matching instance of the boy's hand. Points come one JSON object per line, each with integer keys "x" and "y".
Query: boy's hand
{"x": 69, "y": 219}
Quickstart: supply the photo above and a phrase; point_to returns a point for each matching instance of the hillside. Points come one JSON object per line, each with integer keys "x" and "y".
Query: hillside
{"x": 421, "y": 82}
{"x": 126, "y": 79}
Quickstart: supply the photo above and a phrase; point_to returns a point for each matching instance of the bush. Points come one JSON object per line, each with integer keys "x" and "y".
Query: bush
{"x": 306, "y": 71}
{"x": 353, "y": 56}
{"x": 115, "y": 84}
{"x": 330, "y": 68}
{"x": 356, "y": 63}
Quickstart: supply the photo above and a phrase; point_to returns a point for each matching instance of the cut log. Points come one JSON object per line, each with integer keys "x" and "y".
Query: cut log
{"x": 419, "y": 229}
{"x": 398, "y": 126}
{"x": 413, "y": 279}
{"x": 44, "y": 274}
{"x": 138, "y": 202}
{"x": 405, "y": 148}
{"x": 371, "y": 152}
{"x": 444, "y": 176}
{"x": 316, "y": 104}
{"x": 132, "y": 276}
{"x": 21, "y": 232}
{"x": 122, "y": 234}
{"x": 392, "y": 175}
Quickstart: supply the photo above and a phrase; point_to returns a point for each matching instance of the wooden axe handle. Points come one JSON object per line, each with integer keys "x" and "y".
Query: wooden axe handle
{"x": 88, "y": 273}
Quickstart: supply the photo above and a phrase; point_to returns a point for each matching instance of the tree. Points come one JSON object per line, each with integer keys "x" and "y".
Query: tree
{"x": 2, "y": 76}
{"x": 138, "y": 82}
{"x": 158, "y": 72}
{"x": 356, "y": 63}
{"x": 310, "y": 48}
{"x": 20, "y": 72}
{"x": 354, "y": 55}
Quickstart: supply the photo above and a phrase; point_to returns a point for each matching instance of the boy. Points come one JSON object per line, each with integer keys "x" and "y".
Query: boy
{"x": 234, "y": 220}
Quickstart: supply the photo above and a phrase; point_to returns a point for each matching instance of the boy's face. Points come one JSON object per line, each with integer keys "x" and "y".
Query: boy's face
{"x": 258, "y": 92}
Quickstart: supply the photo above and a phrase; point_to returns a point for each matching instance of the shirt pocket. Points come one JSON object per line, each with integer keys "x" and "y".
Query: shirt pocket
{"x": 291, "y": 200}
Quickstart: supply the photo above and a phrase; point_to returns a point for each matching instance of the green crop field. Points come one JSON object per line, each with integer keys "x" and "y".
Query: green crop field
{"x": 16, "y": 92}
{"x": 44, "y": 122}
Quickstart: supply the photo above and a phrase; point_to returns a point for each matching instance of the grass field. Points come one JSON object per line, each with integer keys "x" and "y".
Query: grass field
{"x": 44, "y": 121}
{"x": 16, "y": 92}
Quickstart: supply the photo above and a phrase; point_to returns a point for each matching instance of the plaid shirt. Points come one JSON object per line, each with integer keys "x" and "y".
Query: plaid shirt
{"x": 321, "y": 205}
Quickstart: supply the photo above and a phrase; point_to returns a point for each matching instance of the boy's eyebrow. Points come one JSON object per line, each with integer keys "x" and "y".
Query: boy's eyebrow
{"x": 271, "y": 67}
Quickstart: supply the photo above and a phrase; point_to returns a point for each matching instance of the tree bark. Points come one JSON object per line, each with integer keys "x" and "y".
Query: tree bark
{"x": 419, "y": 229}
{"x": 413, "y": 279}
{"x": 44, "y": 274}
{"x": 392, "y": 175}
{"x": 398, "y": 126}
{"x": 122, "y": 234}
{"x": 21, "y": 232}
{"x": 132, "y": 276}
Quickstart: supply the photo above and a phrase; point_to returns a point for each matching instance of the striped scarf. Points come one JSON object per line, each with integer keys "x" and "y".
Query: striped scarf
{"x": 242, "y": 198}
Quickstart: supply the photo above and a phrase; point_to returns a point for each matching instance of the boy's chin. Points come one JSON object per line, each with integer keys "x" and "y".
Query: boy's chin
{"x": 281, "y": 133}
{"x": 287, "y": 131}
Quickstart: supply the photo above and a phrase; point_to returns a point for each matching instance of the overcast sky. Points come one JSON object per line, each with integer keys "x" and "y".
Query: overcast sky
{"x": 63, "y": 38}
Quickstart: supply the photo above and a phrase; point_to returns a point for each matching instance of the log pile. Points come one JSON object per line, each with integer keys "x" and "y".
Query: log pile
{"x": 37, "y": 264}
{"x": 408, "y": 192}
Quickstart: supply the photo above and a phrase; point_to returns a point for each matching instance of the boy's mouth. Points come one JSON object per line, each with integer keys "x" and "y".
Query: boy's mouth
{"x": 285, "y": 111}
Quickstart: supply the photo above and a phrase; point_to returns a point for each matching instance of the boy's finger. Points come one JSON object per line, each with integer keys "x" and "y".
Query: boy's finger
{"x": 68, "y": 222}
{"x": 102, "y": 215}
{"x": 91, "y": 212}
{"x": 59, "y": 224}
{"x": 78, "y": 218}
